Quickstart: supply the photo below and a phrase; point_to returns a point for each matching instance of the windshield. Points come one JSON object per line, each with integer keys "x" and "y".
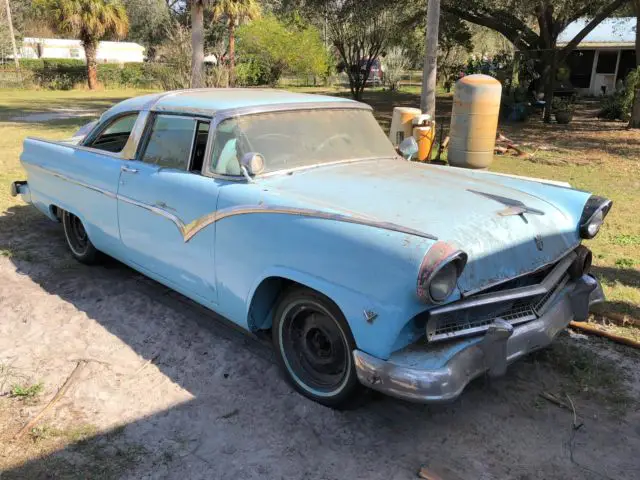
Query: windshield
{"x": 299, "y": 138}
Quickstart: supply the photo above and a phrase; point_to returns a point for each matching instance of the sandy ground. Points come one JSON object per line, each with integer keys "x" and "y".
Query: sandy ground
{"x": 169, "y": 392}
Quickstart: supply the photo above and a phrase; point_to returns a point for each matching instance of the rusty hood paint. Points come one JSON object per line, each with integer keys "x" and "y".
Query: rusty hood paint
{"x": 462, "y": 207}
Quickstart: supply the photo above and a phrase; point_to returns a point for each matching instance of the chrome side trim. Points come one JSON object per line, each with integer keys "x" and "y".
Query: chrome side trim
{"x": 188, "y": 231}
{"x": 513, "y": 294}
{"x": 74, "y": 181}
{"x": 198, "y": 224}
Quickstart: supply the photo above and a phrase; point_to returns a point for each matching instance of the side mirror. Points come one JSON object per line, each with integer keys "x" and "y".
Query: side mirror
{"x": 408, "y": 147}
{"x": 252, "y": 164}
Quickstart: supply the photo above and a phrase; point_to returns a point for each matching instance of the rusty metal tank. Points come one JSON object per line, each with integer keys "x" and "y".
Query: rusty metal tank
{"x": 474, "y": 121}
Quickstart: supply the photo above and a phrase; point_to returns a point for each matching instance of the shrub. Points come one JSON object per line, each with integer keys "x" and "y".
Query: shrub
{"x": 267, "y": 49}
{"x": 396, "y": 62}
{"x": 618, "y": 106}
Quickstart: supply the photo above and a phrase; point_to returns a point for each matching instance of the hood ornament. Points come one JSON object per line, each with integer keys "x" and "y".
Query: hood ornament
{"x": 539, "y": 242}
{"x": 514, "y": 207}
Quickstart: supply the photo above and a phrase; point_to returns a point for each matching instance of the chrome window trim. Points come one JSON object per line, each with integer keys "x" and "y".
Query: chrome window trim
{"x": 148, "y": 130}
{"x": 63, "y": 143}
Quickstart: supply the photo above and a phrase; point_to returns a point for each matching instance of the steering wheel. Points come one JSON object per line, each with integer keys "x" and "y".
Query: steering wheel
{"x": 332, "y": 138}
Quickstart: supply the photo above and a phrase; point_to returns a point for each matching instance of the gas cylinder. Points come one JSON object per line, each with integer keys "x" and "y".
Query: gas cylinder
{"x": 474, "y": 121}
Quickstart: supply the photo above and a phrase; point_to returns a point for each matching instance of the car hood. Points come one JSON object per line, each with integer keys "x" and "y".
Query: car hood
{"x": 454, "y": 205}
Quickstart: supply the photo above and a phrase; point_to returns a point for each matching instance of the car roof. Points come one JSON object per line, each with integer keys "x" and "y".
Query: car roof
{"x": 207, "y": 101}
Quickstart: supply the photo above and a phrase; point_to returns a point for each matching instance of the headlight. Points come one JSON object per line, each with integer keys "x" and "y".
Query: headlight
{"x": 443, "y": 282}
{"x": 593, "y": 215}
{"x": 439, "y": 272}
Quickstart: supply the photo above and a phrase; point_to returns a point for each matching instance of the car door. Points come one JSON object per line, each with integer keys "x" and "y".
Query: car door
{"x": 160, "y": 194}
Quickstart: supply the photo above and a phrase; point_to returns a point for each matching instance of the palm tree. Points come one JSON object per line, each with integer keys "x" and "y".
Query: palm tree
{"x": 235, "y": 11}
{"x": 90, "y": 21}
{"x": 197, "y": 42}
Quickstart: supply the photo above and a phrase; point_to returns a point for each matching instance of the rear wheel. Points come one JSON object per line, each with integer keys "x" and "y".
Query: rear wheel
{"x": 314, "y": 346}
{"x": 78, "y": 239}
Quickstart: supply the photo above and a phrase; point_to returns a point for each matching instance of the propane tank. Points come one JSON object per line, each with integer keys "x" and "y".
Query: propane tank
{"x": 424, "y": 131}
{"x": 474, "y": 121}
{"x": 402, "y": 123}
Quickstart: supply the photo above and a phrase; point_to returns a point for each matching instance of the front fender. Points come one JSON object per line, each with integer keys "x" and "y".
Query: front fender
{"x": 377, "y": 327}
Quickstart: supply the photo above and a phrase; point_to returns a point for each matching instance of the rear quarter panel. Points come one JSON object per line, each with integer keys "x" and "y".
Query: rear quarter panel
{"x": 77, "y": 180}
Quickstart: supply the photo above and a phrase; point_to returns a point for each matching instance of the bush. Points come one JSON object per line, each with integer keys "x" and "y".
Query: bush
{"x": 268, "y": 49}
{"x": 618, "y": 106}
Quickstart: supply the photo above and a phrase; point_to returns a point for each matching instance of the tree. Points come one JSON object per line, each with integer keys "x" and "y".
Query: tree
{"x": 235, "y": 12}
{"x": 430, "y": 71}
{"x": 148, "y": 20}
{"x": 635, "y": 110}
{"x": 360, "y": 30}
{"x": 396, "y": 63}
{"x": 90, "y": 21}
{"x": 197, "y": 43}
{"x": 11, "y": 35}
{"x": 514, "y": 19}
{"x": 268, "y": 48}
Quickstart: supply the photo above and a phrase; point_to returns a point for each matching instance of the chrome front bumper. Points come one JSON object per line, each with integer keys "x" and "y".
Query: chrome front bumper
{"x": 21, "y": 187}
{"x": 410, "y": 373}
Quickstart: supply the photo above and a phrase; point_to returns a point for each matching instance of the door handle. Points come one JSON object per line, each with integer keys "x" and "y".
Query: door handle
{"x": 128, "y": 169}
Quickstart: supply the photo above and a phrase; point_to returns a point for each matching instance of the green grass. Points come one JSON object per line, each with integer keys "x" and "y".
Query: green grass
{"x": 600, "y": 157}
{"x": 26, "y": 391}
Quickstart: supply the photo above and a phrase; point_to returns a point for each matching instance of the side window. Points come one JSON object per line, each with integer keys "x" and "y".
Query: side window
{"x": 199, "y": 146}
{"x": 225, "y": 152}
{"x": 170, "y": 141}
{"x": 115, "y": 136}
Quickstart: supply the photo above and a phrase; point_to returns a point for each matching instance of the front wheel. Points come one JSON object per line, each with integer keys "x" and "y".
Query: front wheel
{"x": 314, "y": 346}
{"x": 78, "y": 239}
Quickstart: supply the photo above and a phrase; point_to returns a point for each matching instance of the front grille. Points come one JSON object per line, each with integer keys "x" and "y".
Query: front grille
{"x": 477, "y": 319}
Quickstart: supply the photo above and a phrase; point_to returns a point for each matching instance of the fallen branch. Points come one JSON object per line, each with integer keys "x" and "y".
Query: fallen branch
{"x": 67, "y": 384}
{"x": 555, "y": 400}
{"x": 587, "y": 327}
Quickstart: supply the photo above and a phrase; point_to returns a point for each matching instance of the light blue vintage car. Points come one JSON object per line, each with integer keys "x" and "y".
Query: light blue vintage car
{"x": 294, "y": 214}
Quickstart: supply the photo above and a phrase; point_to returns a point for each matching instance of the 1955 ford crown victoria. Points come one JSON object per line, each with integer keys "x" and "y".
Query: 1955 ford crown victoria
{"x": 294, "y": 214}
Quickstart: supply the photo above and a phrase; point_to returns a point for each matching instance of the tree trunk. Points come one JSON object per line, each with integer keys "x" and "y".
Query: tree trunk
{"x": 232, "y": 52}
{"x": 197, "y": 43}
{"x": 90, "y": 51}
{"x": 549, "y": 84}
{"x": 634, "y": 122}
{"x": 13, "y": 38}
{"x": 429, "y": 72}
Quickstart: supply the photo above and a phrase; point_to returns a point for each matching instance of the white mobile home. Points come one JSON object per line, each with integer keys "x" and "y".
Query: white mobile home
{"x": 108, "y": 52}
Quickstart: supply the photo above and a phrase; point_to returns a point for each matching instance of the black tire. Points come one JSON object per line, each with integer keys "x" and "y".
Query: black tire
{"x": 314, "y": 346}
{"x": 78, "y": 240}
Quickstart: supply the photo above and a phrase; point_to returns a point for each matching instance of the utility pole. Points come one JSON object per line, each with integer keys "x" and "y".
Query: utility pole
{"x": 429, "y": 71}
{"x": 13, "y": 38}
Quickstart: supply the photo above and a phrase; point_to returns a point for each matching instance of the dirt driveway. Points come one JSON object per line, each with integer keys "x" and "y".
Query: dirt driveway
{"x": 169, "y": 392}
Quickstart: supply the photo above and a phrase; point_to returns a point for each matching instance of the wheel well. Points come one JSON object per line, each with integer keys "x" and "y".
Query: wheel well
{"x": 56, "y": 212}
{"x": 265, "y": 298}
{"x": 264, "y": 301}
